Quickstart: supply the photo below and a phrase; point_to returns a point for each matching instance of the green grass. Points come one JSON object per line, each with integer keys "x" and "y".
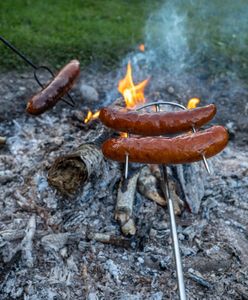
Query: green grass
{"x": 51, "y": 32}
{"x": 55, "y": 31}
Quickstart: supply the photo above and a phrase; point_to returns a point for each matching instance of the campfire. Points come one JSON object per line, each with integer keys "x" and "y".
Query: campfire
{"x": 163, "y": 151}
{"x": 133, "y": 95}
{"x": 101, "y": 217}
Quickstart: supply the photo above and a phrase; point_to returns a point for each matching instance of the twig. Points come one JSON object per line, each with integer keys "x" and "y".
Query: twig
{"x": 108, "y": 238}
{"x": 27, "y": 242}
{"x": 197, "y": 277}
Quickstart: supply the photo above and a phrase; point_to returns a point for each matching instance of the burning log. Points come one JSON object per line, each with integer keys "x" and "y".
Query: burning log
{"x": 69, "y": 172}
{"x": 124, "y": 205}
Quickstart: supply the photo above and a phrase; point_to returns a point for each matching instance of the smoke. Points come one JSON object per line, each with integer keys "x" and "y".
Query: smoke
{"x": 183, "y": 35}
{"x": 166, "y": 35}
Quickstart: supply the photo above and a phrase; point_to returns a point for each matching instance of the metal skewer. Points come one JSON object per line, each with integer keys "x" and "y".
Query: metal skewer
{"x": 176, "y": 248}
{"x": 126, "y": 166}
{"x": 36, "y": 69}
{"x": 157, "y": 106}
{"x": 166, "y": 191}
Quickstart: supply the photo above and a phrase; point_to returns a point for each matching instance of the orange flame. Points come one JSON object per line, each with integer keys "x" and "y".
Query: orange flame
{"x": 193, "y": 102}
{"x": 133, "y": 94}
{"x": 142, "y": 47}
{"x": 124, "y": 134}
{"x": 91, "y": 116}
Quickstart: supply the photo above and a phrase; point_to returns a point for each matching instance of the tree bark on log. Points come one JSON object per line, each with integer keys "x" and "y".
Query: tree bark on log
{"x": 69, "y": 172}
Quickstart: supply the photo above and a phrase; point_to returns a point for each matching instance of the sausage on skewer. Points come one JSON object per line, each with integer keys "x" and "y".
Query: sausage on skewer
{"x": 186, "y": 148}
{"x": 157, "y": 123}
{"x": 57, "y": 88}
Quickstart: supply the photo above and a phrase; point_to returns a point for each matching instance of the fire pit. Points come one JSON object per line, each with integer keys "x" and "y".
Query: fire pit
{"x": 70, "y": 246}
{"x": 133, "y": 95}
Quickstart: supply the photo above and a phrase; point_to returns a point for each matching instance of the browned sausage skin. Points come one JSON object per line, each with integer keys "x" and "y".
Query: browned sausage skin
{"x": 156, "y": 123}
{"x": 186, "y": 148}
{"x": 56, "y": 89}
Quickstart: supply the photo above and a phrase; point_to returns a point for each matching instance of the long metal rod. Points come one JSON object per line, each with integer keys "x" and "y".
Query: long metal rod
{"x": 203, "y": 157}
{"x": 126, "y": 166}
{"x": 28, "y": 61}
{"x": 166, "y": 191}
{"x": 176, "y": 249}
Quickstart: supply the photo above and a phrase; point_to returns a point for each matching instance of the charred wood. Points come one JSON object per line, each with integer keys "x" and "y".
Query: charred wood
{"x": 108, "y": 238}
{"x": 148, "y": 186}
{"x": 125, "y": 202}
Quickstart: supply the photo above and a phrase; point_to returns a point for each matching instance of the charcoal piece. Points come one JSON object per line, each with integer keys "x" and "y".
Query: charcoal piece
{"x": 148, "y": 186}
{"x": 191, "y": 177}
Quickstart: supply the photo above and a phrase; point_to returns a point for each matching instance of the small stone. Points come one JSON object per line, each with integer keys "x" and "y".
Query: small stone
{"x": 129, "y": 227}
{"x": 181, "y": 237}
{"x": 89, "y": 94}
{"x": 215, "y": 249}
{"x": 164, "y": 263}
{"x": 157, "y": 296}
{"x": 140, "y": 260}
{"x": 54, "y": 242}
{"x": 153, "y": 233}
{"x": 232, "y": 129}
{"x": 113, "y": 269}
{"x": 63, "y": 252}
{"x": 22, "y": 88}
{"x": 170, "y": 90}
{"x": 92, "y": 296}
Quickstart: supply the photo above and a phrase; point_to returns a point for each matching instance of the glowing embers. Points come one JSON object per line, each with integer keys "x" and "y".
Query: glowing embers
{"x": 90, "y": 116}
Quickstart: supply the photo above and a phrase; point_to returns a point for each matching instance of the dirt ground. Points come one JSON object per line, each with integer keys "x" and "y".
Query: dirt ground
{"x": 45, "y": 249}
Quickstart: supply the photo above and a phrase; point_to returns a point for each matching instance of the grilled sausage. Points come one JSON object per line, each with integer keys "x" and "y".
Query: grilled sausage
{"x": 57, "y": 88}
{"x": 186, "y": 148}
{"x": 159, "y": 123}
